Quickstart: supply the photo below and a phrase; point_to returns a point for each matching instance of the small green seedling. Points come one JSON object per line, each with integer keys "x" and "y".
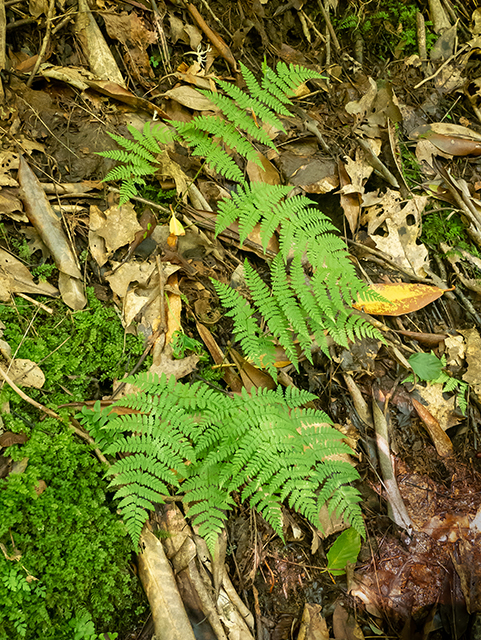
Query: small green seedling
{"x": 343, "y": 552}
{"x": 426, "y": 366}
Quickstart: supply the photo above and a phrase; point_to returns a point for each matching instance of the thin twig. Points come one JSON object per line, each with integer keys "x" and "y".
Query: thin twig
{"x": 43, "y": 49}
{"x": 438, "y": 71}
{"x": 3, "y": 44}
{"x": 327, "y": 20}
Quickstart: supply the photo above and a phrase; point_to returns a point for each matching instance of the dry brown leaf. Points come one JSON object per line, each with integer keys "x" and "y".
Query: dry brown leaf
{"x": 267, "y": 173}
{"x": 95, "y": 49}
{"x": 16, "y": 278}
{"x": 251, "y": 376}
{"x": 25, "y": 373}
{"x": 170, "y": 619}
{"x": 191, "y": 98}
{"x": 473, "y": 358}
{"x": 313, "y": 624}
{"x": 440, "y": 439}
{"x": 345, "y": 626}
{"x": 403, "y": 225}
{"x": 119, "y": 227}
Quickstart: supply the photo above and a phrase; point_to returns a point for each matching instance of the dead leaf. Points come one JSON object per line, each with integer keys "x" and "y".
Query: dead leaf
{"x": 25, "y": 373}
{"x": 345, "y": 626}
{"x": 170, "y": 619}
{"x": 16, "y": 278}
{"x": 402, "y": 298}
{"x": 95, "y": 49}
{"x": 440, "y": 439}
{"x": 230, "y": 377}
{"x": 119, "y": 227}
{"x": 178, "y": 368}
{"x": 266, "y": 173}
{"x": 191, "y": 98}
{"x": 451, "y": 139}
{"x": 403, "y": 227}
{"x": 174, "y": 308}
{"x": 8, "y": 438}
{"x": 473, "y": 359}
{"x": 251, "y": 376}
{"x": 350, "y": 202}
{"x": 313, "y": 624}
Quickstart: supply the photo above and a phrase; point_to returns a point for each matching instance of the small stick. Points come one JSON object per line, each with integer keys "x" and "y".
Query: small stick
{"x": 160, "y": 269}
{"x": 159, "y": 26}
{"x": 438, "y": 71}
{"x": 421, "y": 35}
{"x": 204, "y": 2}
{"x": 43, "y": 49}
{"x": 215, "y": 38}
{"x": 3, "y": 44}
{"x": 38, "y": 304}
{"x": 327, "y": 20}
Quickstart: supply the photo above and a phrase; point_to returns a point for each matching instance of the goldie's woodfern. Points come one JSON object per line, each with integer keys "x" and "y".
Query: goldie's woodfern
{"x": 207, "y": 445}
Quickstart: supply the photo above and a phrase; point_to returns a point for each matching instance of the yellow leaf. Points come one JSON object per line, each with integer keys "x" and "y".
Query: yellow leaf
{"x": 402, "y": 298}
{"x": 176, "y": 227}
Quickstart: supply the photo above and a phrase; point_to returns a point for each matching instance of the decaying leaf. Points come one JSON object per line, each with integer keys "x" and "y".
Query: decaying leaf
{"x": 451, "y": 139}
{"x": 440, "y": 439}
{"x": 170, "y": 619}
{"x": 16, "y": 278}
{"x": 402, "y": 298}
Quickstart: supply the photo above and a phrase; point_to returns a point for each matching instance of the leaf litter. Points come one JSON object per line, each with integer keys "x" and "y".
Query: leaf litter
{"x": 358, "y": 141}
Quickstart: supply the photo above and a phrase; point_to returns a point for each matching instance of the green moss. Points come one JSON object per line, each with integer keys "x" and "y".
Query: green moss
{"x": 80, "y": 353}
{"x": 72, "y": 544}
{"x": 74, "y": 549}
{"x": 389, "y": 26}
{"x": 444, "y": 226}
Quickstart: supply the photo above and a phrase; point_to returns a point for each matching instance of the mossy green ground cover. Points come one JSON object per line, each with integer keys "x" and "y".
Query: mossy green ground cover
{"x": 72, "y": 551}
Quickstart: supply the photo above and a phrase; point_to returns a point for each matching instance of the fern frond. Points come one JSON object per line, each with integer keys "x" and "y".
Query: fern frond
{"x": 251, "y": 103}
{"x": 249, "y": 205}
{"x": 215, "y": 156}
{"x": 259, "y": 347}
{"x": 228, "y": 133}
{"x": 262, "y": 93}
{"x": 263, "y": 445}
{"x": 239, "y": 118}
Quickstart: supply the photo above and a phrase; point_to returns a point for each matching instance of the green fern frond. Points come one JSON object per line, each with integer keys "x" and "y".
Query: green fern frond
{"x": 252, "y": 104}
{"x": 291, "y": 75}
{"x": 259, "y": 347}
{"x": 226, "y": 132}
{"x": 239, "y": 118}
{"x": 263, "y": 445}
{"x": 263, "y": 94}
{"x": 250, "y": 205}
{"x": 215, "y": 156}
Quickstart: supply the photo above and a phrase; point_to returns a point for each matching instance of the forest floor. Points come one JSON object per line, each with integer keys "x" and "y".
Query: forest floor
{"x": 385, "y": 143}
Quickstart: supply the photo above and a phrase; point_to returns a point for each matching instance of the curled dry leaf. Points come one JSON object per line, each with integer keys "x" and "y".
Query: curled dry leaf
{"x": 16, "y": 278}
{"x": 440, "y": 439}
{"x": 401, "y": 298}
{"x": 170, "y": 619}
{"x": 449, "y": 138}
{"x": 49, "y": 228}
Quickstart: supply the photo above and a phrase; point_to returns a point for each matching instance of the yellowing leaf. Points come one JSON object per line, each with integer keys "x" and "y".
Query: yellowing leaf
{"x": 175, "y": 227}
{"x": 402, "y": 297}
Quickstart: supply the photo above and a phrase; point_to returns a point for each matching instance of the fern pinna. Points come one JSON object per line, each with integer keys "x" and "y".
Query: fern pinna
{"x": 200, "y": 441}
{"x": 313, "y": 281}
